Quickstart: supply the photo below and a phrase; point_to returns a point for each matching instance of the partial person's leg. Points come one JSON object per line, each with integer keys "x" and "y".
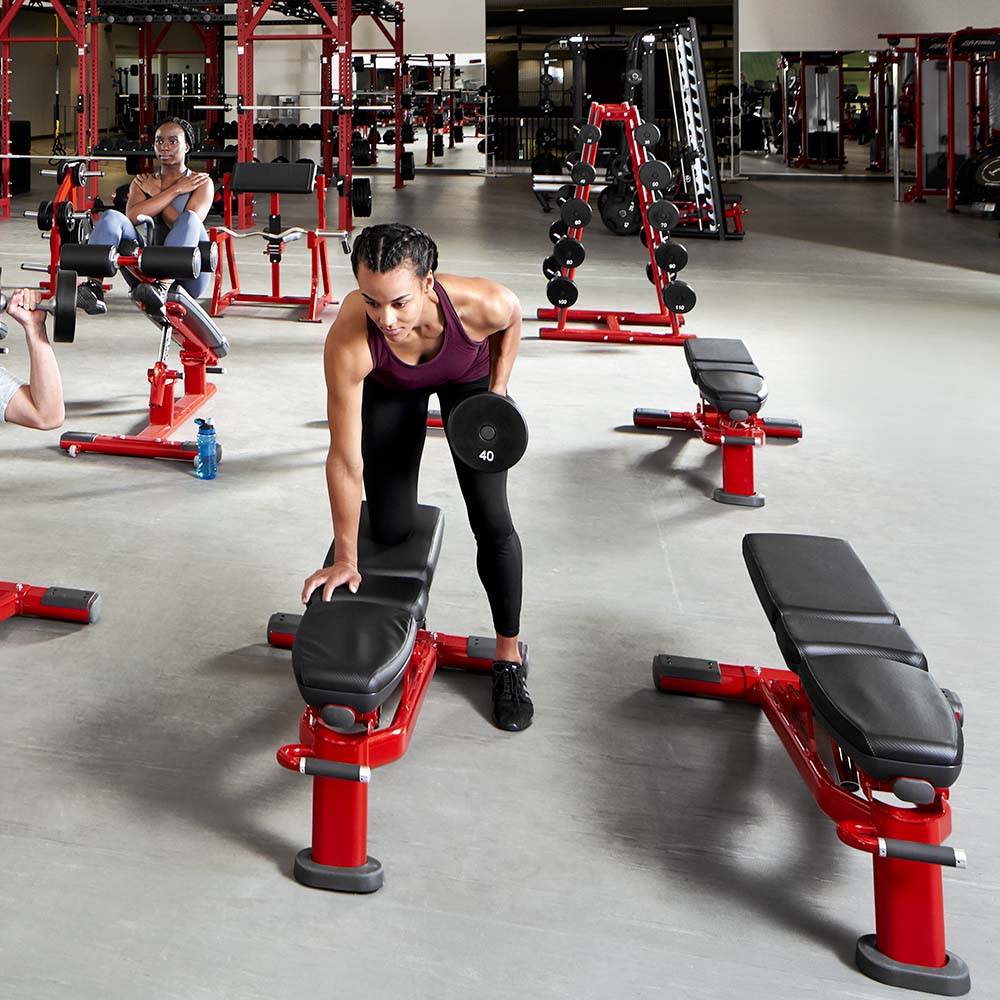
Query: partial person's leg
{"x": 393, "y": 430}
{"x": 112, "y": 228}
{"x": 499, "y": 561}
{"x": 189, "y": 231}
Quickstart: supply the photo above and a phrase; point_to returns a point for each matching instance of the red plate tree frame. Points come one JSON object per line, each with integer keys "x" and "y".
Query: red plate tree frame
{"x": 615, "y": 322}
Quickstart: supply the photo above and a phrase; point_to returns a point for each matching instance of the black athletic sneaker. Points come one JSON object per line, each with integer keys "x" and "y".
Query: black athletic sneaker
{"x": 90, "y": 298}
{"x": 150, "y": 295}
{"x": 512, "y": 707}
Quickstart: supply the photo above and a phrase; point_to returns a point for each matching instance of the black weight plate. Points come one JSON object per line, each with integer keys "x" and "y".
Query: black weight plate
{"x": 64, "y": 313}
{"x": 569, "y": 253}
{"x": 655, "y": 175}
{"x": 663, "y": 215}
{"x": 487, "y": 432}
{"x": 545, "y": 137}
{"x": 551, "y": 268}
{"x": 588, "y": 134}
{"x": 561, "y": 292}
{"x": 45, "y": 215}
{"x": 633, "y": 77}
{"x": 407, "y": 166}
{"x": 547, "y": 79}
{"x": 546, "y": 107}
{"x": 651, "y": 274}
{"x": 564, "y": 193}
{"x": 621, "y": 214}
{"x": 361, "y": 196}
{"x": 671, "y": 256}
{"x": 679, "y": 296}
{"x": 647, "y": 135}
{"x": 576, "y": 213}
{"x": 583, "y": 173}
{"x": 558, "y": 230}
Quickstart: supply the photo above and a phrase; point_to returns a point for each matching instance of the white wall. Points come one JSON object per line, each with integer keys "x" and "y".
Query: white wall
{"x": 806, "y": 25}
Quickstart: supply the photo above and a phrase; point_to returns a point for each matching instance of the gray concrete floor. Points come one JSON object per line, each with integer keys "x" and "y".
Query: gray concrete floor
{"x": 629, "y": 844}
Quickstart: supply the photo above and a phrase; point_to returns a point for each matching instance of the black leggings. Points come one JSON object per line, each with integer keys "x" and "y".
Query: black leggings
{"x": 394, "y": 426}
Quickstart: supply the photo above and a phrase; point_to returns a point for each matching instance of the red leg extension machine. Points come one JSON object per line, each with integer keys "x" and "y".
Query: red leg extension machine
{"x": 875, "y": 739}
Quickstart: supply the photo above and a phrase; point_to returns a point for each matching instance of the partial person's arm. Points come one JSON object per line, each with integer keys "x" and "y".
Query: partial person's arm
{"x": 157, "y": 201}
{"x": 199, "y": 202}
{"x": 38, "y": 404}
{"x": 347, "y": 362}
{"x": 506, "y": 312}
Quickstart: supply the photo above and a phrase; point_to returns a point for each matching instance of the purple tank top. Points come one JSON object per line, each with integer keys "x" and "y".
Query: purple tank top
{"x": 459, "y": 360}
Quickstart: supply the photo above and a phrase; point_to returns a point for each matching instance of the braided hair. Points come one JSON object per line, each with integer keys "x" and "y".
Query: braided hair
{"x": 383, "y": 248}
{"x": 185, "y": 127}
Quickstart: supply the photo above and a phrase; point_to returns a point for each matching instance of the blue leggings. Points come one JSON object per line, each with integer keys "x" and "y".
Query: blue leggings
{"x": 187, "y": 231}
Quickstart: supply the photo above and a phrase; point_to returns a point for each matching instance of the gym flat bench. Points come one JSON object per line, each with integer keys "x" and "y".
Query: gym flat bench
{"x": 859, "y": 692}
{"x": 351, "y": 655}
{"x": 733, "y": 393}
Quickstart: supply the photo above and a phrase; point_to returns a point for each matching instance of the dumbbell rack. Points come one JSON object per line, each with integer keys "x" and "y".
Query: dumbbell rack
{"x": 614, "y": 324}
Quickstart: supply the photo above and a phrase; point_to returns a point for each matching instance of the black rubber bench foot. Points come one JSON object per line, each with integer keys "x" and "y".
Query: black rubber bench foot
{"x": 951, "y": 980}
{"x": 365, "y": 878}
{"x": 738, "y": 499}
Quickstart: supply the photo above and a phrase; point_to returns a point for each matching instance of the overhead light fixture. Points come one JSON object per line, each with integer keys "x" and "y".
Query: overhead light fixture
{"x": 520, "y": 10}
{"x": 635, "y": 8}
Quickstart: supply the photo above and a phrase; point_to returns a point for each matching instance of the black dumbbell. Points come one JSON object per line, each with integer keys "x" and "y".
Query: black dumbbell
{"x": 487, "y": 432}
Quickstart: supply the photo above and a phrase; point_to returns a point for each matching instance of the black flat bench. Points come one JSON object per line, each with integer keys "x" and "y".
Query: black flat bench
{"x": 733, "y": 392}
{"x": 866, "y": 678}
{"x": 875, "y": 739}
{"x": 353, "y": 649}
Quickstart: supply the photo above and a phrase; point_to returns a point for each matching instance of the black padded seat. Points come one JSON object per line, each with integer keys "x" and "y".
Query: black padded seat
{"x": 725, "y": 374}
{"x": 273, "y": 178}
{"x": 199, "y": 322}
{"x": 415, "y": 558}
{"x": 892, "y": 720}
{"x": 815, "y": 575}
{"x": 801, "y": 635}
{"x": 351, "y": 653}
{"x": 353, "y": 649}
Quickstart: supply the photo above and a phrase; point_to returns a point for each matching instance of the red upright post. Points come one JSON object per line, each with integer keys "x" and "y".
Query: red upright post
{"x": 398, "y": 99}
{"x": 326, "y": 116}
{"x": 245, "y": 95}
{"x": 451, "y": 100}
{"x": 345, "y": 22}
{"x": 5, "y": 111}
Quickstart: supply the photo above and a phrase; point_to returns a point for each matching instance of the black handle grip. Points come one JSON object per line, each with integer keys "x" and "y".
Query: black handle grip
{"x": 335, "y": 769}
{"x": 908, "y": 850}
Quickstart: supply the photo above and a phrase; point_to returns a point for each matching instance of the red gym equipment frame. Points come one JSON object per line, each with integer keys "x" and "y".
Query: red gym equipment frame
{"x": 315, "y": 302}
{"x": 736, "y": 438}
{"x": 804, "y": 61}
{"x": 341, "y": 763}
{"x": 909, "y": 901}
{"x": 166, "y": 414}
{"x": 57, "y": 603}
{"x": 612, "y": 320}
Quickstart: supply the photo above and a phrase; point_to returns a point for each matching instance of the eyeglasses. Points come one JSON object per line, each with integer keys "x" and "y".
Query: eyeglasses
{"x": 166, "y": 140}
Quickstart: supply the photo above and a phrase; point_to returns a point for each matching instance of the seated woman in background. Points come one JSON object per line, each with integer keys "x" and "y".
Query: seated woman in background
{"x": 177, "y": 198}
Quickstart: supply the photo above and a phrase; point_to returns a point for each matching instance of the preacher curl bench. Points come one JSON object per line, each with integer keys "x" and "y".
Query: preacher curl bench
{"x": 858, "y": 690}
{"x": 350, "y": 654}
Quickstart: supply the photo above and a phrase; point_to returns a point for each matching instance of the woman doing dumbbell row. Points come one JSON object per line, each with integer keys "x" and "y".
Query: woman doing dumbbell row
{"x": 177, "y": 198}
{"x": 405, "y": 333}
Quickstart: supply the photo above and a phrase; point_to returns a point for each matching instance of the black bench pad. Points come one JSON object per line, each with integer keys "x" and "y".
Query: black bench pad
{"x": 815, "y": 575}
{"x": 273, "y": 178}
{"x": 864, "y": 675}
{"x": 891, "y": 718}
{"x": 415, "y": 558}
{"x": 199, "y": 322}
{"x": 353, "y": 649}
{"x": 725, "y": 374}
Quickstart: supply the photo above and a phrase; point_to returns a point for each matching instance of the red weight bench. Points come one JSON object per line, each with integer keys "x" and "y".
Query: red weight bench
{"x": 179, "y": 319}
{"x": 732, "y": 395}
{"x": 352, "y": 657}
{"x": 863, "y": 720}
{"x": 274, "y": 179}
{"x": 59, "y": 603}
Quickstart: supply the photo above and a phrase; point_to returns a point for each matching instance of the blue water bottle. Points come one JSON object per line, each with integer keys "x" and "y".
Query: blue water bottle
{"x": 206, "y": 464}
